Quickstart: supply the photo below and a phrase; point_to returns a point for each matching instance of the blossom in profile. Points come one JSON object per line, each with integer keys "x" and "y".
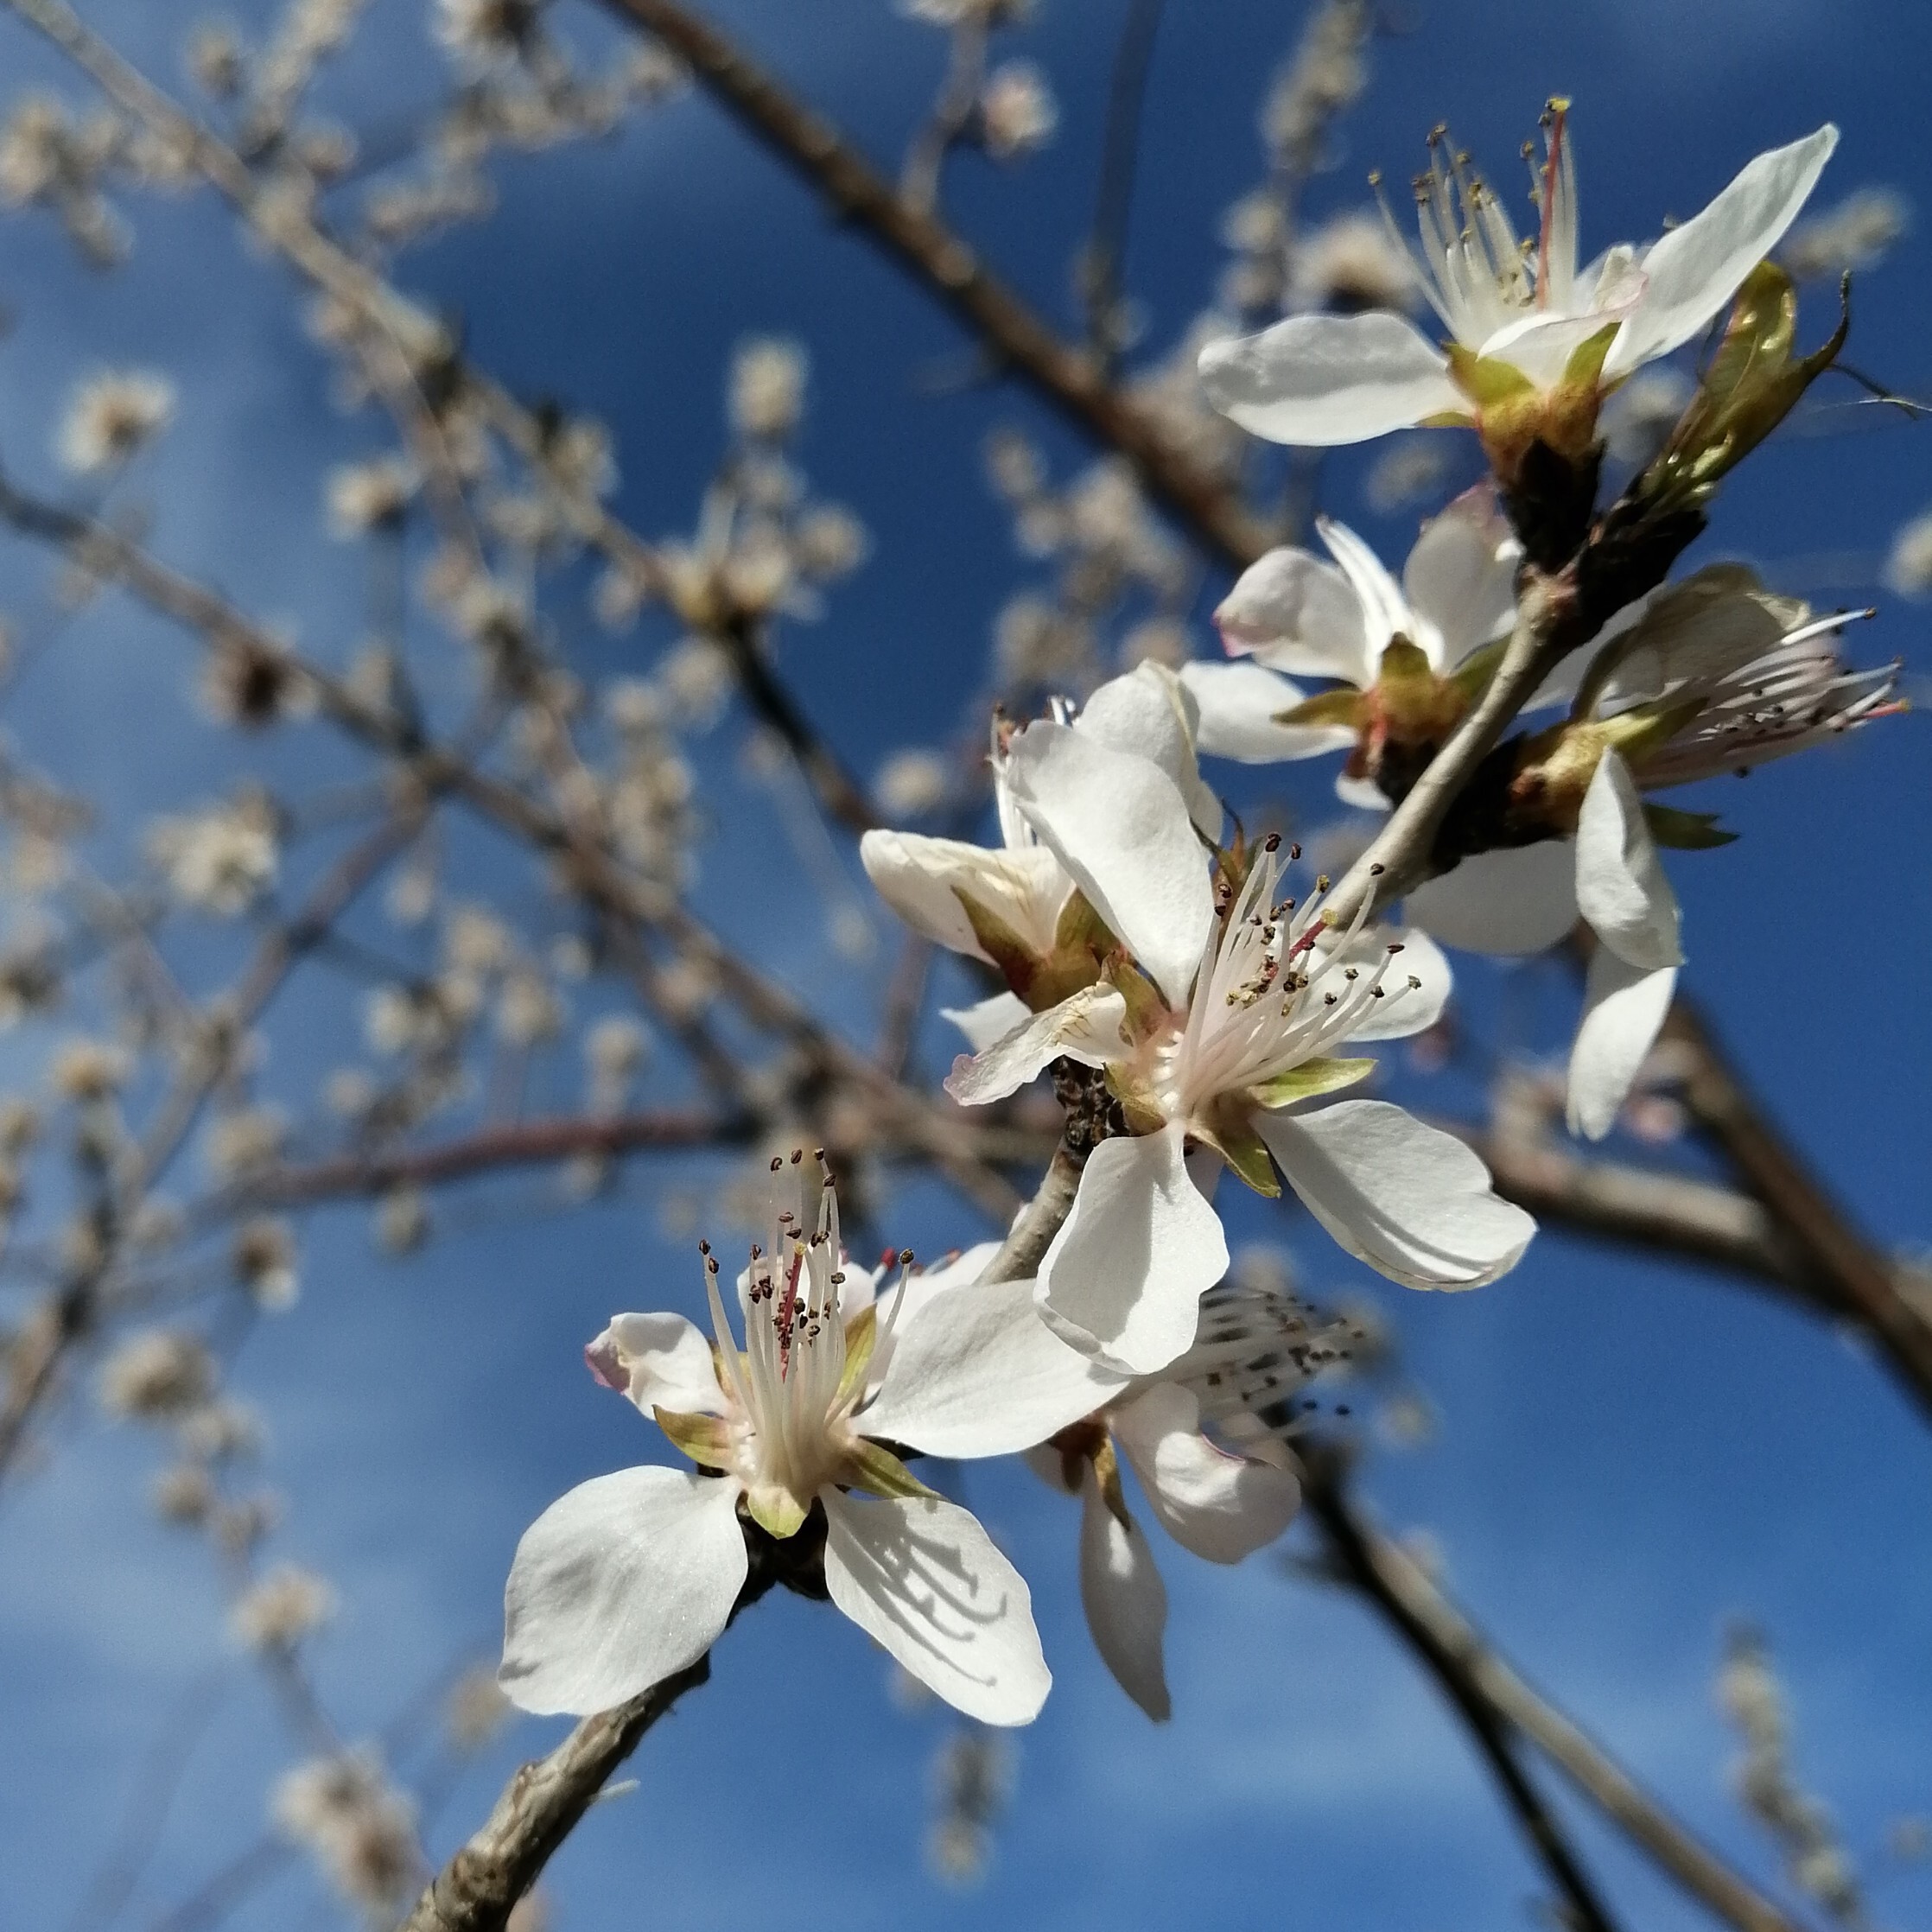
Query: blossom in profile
{"x": 632, "y": 1576}
{"x": 1523, "y": 321}
{"x": 1215, "y": 1478}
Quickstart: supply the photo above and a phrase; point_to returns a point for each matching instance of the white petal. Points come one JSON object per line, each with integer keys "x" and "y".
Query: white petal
{"x": 1298, "y": 615}
{"x": 1403, "y": 1010}
{"x": 1125, "y": 1602}
{"x": 1364, "y": 794}
{"x": 1238, "y": 703}
{"x": 1220, "y": 1507}
{"x": 1385, "y": 612}
{"x": 1623, "y": 1007}
{"x": 1124, "y": 830}
{"x": 660, "y": 1362}
{"x": 1085, "y": 1026}
{"x": 976, "y": 1372}
{"x": 1462, "y": 574}
{"x": 1621, "y": 888}
{"x": 1541, "y": 346}
{"x": 1408, "y": 1199}
{"x": 921, "y": 880}
{"x": 616, "y": 1585}
{"x": 1515, "y": 901}
{"x": 1124, "y": 1277}
{"x": 986, "y": 1021}
{"x": 1320, "y": 380}
{"x": 1695, "y": 270}
{"x": 1150, "y": 712}
{"x": 921, "y": 1578}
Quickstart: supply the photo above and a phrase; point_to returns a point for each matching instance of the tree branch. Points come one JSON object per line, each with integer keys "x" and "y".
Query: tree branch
{"x": 1454, "y": 1651}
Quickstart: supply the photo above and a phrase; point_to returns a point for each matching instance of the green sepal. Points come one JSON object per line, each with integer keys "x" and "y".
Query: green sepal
{"x": 1404, "y": 664}
{"x": 1147, "y": 1009}
{"x": 1644, "y": 728}
{"x": 1471, "y": 676}
{"x": 705, "y": 1438}
{"x": 1232, "y": 1136}
{"x": 998, "y": 941}
{"x": 1585, "y": 369}
{"x": 1142, "y": 1116}
{"x": 1342, "y": 707}
{"x": 1310, "y": 1078}
{"x": 1685, "y": 831}
{"x": 861, "y": 1337}
{"x": 775, "y": 1510}
{"x": 1487, "y": 381}
{"x": 878, "y": 1472}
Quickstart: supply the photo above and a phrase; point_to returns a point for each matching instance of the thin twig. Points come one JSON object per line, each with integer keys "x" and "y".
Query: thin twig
{"x": 1431, "y": 1624}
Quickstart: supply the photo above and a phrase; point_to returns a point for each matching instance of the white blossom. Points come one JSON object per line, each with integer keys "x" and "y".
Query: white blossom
{"x": 1326, "y": 380}
{"x": 279, "y": 1610}
{"x": 112, "y": 418}
{"x": 768, "y": 387}
{"x": 631, "y": 1577}
{"x": 1017, "y": 110}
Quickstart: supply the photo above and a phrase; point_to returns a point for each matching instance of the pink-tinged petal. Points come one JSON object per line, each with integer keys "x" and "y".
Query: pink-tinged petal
{"x": 1462, "y": 574}
{"x": 1122, "y": 827}
{"x": 920, "y": 1577}
{"x": 1695, "y": 270}
{"x": 1413, "y": 1201}
{"x": 986, "y": 1022}
{"x": 616, "y": 1586}
{"x": 1623, "y": 1009}
{"x": 1126, "y": 1602}
{"x": 1219, "y": 1506}
{"x": 975, "y": 1371}
{"x": 1513, "y": 901}
{"x": 1150, "y": 712}
{"x": 1085, "y": 1026}
{"x": 1320, "y": 380}
{"x": 1297, "y": 614}
{"x": 921, "y": 879}
{"x": 660, "y": 1362}
{"x": 1239, "y": 704}
{"x": 1621, "y": 888}
{"x": 1123, "y": 1279}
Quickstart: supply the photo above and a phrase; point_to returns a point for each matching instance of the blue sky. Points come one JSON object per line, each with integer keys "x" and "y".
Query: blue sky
{"x": 1627, "y": 1456}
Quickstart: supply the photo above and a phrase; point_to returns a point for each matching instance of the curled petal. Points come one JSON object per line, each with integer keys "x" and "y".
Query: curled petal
{"x": 920, "y": 1576}
{"x": 1085, "y": 1026}
{"x": 1239, "y": 706}
{"x": 975, "y": 1372}
{"x": 617, "y": 1585}
{"x": 660, "y": 1362}
{"x": 1623, "y": 1007}
{"x": 1408, "y": 1199}
{"x": 988, "y": 1021}
{"x": 921, "y": 879}
{"x": 1321, "y": 380}
{"x": 1124, "y": 1278}
{"x": 1696, "y": 269}
{"x": 1219, "y": 1506}
{"x": 1515, "y": 901}
{"x": 1298, "y": 614}
{"x": 1125, "y": 1600}
{"x": 1462, "y": 574}
{"x": 1119, "y": 824}
{"x": 1621, "y": 888}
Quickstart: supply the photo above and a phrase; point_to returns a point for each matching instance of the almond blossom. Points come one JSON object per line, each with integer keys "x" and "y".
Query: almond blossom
{"x": 632, "y": 1576}
{"x": 1220, "y": 1499}
{"x": 1525, "y": 311}
{"x": 1710, "y": 675}
{"x": 1227, "y": 1019}
{"x": 1407, "y": 657}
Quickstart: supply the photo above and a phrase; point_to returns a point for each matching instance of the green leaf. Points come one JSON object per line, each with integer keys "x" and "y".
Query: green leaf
{"x": 1685, "y": 831}
{"x": 877, "y": 1470}
{"x": 1310, "y": 1078}
{"x": 705, "y": 1438}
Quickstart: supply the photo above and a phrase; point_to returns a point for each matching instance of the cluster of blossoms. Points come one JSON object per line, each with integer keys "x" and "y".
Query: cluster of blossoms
{"x": 1199, "y": 1006}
